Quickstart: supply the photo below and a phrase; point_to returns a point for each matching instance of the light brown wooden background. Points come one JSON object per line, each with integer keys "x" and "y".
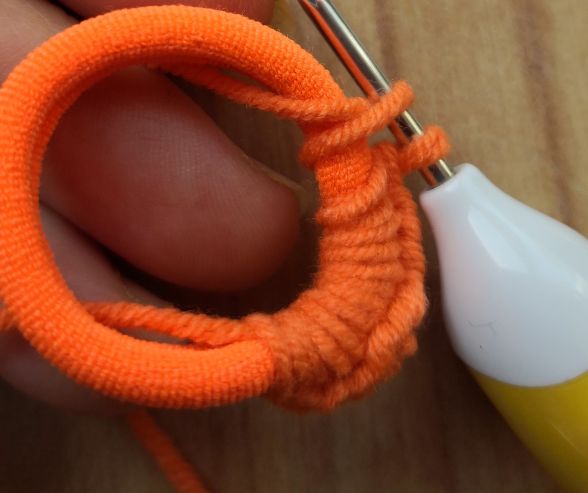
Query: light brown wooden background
{"x": 507, "y": 79}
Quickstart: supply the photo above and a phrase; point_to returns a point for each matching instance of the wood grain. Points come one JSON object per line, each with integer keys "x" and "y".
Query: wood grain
{"x": 507, "y": 81}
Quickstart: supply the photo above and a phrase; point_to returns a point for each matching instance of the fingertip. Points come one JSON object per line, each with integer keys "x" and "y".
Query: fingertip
{"x": 258, "y": 240}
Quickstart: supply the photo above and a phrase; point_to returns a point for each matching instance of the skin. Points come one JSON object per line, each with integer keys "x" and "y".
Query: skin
{"x": 137, "y": 167}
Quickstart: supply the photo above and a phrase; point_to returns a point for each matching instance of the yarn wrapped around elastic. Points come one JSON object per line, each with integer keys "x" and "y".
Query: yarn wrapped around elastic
{"x": 353, "y": 327}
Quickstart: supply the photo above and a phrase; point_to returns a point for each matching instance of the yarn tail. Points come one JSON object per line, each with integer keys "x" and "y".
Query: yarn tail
{"x": 176, "y": 468}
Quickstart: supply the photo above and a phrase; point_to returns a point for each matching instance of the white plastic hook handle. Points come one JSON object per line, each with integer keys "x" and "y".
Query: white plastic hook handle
{"x": 514, "y": 281}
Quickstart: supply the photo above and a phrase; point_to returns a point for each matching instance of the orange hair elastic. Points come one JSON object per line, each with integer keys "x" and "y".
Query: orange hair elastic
{"x": 348, "y": 331}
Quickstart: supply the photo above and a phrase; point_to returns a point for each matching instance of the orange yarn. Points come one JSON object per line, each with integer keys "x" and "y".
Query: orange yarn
{"x": 351, "y": 329}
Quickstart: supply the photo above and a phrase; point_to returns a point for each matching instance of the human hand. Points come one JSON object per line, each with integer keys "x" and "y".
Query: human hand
{"x": 137, "y": 167}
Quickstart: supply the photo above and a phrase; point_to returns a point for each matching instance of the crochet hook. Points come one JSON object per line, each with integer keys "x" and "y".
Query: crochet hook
{"x": 514, "y": 287}
{"x": 367, "y": 74}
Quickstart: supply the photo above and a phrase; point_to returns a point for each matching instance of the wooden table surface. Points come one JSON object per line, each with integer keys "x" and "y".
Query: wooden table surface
{"x": 507, "y": 81}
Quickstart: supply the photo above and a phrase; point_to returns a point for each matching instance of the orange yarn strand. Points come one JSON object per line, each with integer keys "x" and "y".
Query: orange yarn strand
{"x": 351, "y": 329}
{"x": 177, "y": 470}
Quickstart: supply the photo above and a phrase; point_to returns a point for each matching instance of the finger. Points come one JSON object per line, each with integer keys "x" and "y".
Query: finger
{"x": 256, "y": 9}
{"x": 25, "y": 370}
{"x": 142, "y": 169}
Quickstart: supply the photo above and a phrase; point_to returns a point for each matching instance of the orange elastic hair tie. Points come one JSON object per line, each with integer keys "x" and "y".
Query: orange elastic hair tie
{"x": 349, "y": 330}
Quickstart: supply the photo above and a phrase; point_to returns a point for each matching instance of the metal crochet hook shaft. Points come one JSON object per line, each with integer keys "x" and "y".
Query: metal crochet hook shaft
{"x": 366, "y": 73}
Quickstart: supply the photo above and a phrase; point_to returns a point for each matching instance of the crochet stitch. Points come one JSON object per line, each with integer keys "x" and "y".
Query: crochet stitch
{"x": 353, "y": 327}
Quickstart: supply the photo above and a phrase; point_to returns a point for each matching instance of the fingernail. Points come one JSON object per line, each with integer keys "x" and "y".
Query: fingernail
{"x": 303, "y": 197}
